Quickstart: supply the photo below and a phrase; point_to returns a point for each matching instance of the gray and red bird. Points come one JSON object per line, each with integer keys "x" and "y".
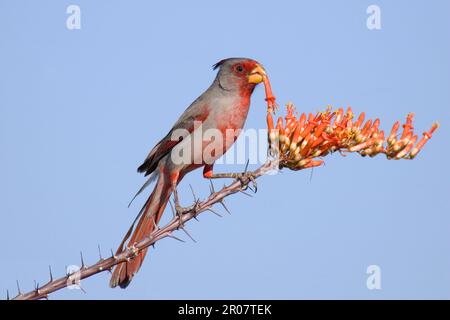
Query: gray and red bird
{"x": 223, "y": 106}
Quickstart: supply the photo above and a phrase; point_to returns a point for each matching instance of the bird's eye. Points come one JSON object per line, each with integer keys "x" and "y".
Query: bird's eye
{"x": 239, "y": 68}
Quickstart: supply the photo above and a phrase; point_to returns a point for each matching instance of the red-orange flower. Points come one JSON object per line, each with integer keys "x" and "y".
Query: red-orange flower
{"x": 299, "y": 141}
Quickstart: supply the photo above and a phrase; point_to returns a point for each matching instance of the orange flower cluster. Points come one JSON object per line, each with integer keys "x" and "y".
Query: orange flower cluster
{"x": 299, "y": 141}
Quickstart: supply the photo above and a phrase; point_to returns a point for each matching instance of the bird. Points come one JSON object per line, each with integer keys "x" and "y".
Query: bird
{"x": 223, "y": 106}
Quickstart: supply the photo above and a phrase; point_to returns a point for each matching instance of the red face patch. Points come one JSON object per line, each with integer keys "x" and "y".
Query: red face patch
{"x": 242, "y": 69}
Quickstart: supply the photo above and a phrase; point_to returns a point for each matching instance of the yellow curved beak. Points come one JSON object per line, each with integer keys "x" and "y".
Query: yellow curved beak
{"x": 257, "y": 75}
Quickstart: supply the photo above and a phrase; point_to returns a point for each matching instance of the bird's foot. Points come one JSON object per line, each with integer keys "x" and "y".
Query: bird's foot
{"x": 184, "y": 210}
{"x": 245, "y": 178}
{"x": 181, "y": 211}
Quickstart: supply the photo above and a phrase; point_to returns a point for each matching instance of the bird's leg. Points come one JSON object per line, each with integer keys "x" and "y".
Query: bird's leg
{"x": 244, "y": 177}
{"x": 178, "y": 208}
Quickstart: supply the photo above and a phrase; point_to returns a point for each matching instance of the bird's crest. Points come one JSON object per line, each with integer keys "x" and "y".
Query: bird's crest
{"x": 218, "y": 64}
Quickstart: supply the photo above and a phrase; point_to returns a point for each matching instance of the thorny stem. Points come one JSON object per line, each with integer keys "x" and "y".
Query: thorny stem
{"x": 42, "y": 292}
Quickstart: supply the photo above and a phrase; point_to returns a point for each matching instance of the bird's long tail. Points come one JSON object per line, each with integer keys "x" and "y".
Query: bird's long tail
{"x": 149, "y": 217}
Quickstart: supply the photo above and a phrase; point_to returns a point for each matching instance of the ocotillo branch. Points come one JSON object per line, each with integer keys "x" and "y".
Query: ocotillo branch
{"x": 177, "y": 223}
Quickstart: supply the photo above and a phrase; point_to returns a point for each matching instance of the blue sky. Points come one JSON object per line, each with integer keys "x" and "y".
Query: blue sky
{"x": 79, "y": 110}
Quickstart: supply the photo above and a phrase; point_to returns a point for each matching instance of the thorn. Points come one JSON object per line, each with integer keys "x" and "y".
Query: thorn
{"x": 209, "y": 209}
{"x": 222, "y": 202}
{"x": 18, "y": 288}
{"x": 193, "y": 193}
{"x": 81, "y": 288}
{"x": 185, "y": 231}
{"x": 67, "y": 272}
{"x": 112, "y": 254}
{"x": 211, "y": 188}
{"x": 173, "y": 237}
{"x": 82, "y": 260}
{"x": 100, "y": 253}
{"x": 246, "y": 166}
{"x": 51, "y": 275}
{"x": 247, "y": 194}
{"x": 36, "y": 285}
{"x": 7, "y": 295}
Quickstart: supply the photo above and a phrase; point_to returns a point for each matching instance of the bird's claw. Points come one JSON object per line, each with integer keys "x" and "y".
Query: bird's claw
{"x": 181, "y": 211}
{"x": 184, "y": 210}
{"x": 245, "y": 178}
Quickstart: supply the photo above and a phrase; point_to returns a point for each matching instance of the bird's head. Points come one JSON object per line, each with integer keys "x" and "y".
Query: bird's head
{"x": 239, "y": 74}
